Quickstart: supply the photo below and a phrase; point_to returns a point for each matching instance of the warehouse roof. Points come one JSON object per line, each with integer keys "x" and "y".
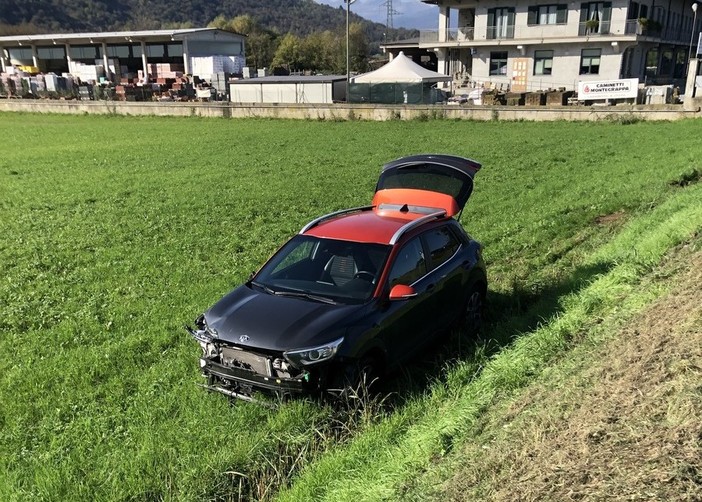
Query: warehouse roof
{"x": 120, "y": 36}
{"x": 290, "y": 79}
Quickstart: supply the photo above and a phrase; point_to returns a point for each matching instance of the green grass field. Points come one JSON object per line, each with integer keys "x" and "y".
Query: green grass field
{"x": 118, "y": 230}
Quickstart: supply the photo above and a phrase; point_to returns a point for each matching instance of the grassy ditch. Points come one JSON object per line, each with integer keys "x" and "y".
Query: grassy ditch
{"x": 117, "y": 230}
{"x": 619, "y": 417}
{"x": 385, "y": 463}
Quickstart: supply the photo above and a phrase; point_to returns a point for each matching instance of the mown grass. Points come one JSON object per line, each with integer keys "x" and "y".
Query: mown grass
{"x": 118, "y": 230}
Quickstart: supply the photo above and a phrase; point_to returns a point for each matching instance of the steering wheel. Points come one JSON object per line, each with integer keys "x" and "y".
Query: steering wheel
{"x": 366, "y": 275}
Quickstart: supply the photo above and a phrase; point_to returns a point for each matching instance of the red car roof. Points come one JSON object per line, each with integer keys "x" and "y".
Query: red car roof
{"x": 376, "y": 226}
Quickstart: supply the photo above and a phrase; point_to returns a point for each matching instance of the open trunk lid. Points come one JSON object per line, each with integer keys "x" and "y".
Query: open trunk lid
{"x": 421, "y": 176}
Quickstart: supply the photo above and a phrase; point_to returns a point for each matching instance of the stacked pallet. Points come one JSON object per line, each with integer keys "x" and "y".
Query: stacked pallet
{"x": 206, "y": 67}
{"x": 162, "y": 71}
{"x": 535, "y": 99}
{"x": 131, "y": 92}
{"x": 87, "y": 72}
{"x": 515, "y": 98}
{"x": 559, "y": 97}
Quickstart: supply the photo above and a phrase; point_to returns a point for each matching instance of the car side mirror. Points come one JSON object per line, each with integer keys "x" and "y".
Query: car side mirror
{"x": 402, "y": 292}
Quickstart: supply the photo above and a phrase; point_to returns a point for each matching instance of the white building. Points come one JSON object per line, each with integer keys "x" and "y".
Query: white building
{"x": 199, "y": 51}
{"x": 528, "y": 45}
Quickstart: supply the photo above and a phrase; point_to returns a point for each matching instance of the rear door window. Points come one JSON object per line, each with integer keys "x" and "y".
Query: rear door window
{"x": 442, "y": 244}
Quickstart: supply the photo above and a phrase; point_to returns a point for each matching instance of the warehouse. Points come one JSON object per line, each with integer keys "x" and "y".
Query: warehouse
{"x": 289, "y": 89}
{"x": 126, "y": 55}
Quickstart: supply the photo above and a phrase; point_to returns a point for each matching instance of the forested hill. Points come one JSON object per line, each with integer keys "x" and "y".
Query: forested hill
{"x": 300, "y": 17}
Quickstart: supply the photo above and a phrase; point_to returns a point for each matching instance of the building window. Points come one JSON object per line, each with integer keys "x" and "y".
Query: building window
{"x": 543, "y": 62}
{"x": 498, "y": 63}
{"x": 632, "y": 12}
{"x": 680, "y": 64}
{"x": 500, "y": 23}
{"x": 666, "y": 63}
{"x": 51, "y": 53}
{"x": 595, "y": 17}
{"x": 175, "y": 50}
{"x": 20, "y": 54}
{"x": 547, "y": 14}
{"x": 590, "y": 61}
{"x": 118, "y": 51}
{"x": 86, "y": 53}
{"x": 652, "y": 62}
{"x": 155, "y": 50}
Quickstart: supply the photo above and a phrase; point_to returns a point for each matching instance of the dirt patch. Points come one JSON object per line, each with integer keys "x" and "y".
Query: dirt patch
{"x": 607, "y": 219}
{"x": 625, "y": 426}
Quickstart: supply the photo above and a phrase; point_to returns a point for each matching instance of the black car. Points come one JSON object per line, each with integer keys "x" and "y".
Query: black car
{"x": 356, "y": 291}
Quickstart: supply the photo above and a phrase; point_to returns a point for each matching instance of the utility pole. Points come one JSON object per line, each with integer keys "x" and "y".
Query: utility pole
{"x": 348, "y": 54}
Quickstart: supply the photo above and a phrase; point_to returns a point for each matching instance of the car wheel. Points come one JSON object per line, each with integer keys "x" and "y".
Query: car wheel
{"x": 474, "y": 310}
{"x": 356, "y": 379}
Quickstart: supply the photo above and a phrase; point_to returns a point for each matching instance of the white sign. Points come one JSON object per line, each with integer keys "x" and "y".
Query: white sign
{"x": 608, "y": 89}
{"x": 699, "y": 44}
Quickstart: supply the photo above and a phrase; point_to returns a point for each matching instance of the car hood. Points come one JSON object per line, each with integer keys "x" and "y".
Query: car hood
{"x": 250, "y": 318}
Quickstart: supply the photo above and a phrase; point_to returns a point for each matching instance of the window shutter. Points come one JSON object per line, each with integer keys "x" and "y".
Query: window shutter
{"x": 562, "y": 14}
{"x": 532, "y": 14}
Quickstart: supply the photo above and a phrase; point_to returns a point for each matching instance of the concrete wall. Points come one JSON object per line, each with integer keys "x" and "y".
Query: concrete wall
{"x": 355, "y": 111}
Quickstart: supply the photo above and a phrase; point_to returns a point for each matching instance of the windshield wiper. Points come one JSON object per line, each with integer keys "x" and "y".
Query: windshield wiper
{"x": 309, "y": 296}
{"x": 264, "y": 287}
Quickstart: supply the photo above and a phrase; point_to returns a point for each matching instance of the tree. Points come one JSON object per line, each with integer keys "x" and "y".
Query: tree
{"x": 359, "y": 48}
{"x": 320, "y": 52}
{"x": 289, "y": 53}
{"x": 260, "y": 43}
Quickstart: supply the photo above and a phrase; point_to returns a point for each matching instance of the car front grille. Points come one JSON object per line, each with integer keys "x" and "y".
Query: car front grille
{"x": 237, "y": 358}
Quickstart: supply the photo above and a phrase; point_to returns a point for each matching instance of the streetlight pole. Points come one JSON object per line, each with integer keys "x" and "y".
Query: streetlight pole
{"x": 692, "y": 35}
{"x": 348, "y": 54}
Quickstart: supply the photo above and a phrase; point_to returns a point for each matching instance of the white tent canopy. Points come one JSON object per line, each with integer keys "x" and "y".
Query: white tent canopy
{"x": 400, "y": 69}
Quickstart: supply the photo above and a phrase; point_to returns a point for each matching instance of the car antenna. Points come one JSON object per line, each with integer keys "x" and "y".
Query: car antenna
{"x": 404, "y": 209}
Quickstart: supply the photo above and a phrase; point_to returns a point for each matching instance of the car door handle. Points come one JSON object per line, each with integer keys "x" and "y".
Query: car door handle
{"x": 430, "y": 287}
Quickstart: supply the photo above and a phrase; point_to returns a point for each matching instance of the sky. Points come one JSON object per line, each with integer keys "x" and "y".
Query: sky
{"x": 409, "y": 13}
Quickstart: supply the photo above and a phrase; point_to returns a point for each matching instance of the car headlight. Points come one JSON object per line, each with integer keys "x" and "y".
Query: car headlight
{"x": 304, "y": 357}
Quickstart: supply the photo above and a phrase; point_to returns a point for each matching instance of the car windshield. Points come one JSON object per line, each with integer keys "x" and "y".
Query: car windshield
{"x": 325, "y": 270}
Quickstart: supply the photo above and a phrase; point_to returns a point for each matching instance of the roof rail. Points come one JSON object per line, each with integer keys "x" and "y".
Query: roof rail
{"x": 409, "y": 226}
{"x": 329, "y": 216}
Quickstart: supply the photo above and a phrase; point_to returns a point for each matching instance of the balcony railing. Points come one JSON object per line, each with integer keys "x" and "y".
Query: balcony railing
{"x": 452, "y": 35}
{"x": 592, "y": 29}
{"x": 500, "y": 32}
{"x": 551, "y": 31}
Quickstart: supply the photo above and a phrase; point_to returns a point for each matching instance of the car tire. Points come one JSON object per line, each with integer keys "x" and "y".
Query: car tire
{"x": 356, "y": 379}
{"x": 474, "y": 310}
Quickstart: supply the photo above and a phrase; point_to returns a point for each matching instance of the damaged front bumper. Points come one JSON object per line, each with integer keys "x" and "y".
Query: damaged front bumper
{"x": 239, "y": 373}
{"x": 233, "y": 381}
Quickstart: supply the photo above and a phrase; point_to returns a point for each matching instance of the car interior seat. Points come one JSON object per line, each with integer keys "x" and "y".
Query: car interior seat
{"x": 341, "y": 269}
